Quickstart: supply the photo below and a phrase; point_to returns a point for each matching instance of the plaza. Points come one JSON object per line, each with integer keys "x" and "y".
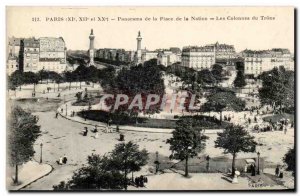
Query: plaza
{"x": 62, "y": 136}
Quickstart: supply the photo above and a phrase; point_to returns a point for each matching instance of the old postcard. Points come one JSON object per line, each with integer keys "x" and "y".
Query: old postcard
{"x": 150, "y": 98}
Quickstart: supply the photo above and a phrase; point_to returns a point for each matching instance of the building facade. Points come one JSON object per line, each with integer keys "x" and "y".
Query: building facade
{"x": 224, "y": 53}
{"x": 256, "y": 62}
{"x": 13, "y": 52}
{"x": 198, "y": 57}
{"x": 31, "y": 54}
{"x": 148, "y": 55}
{"x": 52, "y": 54}
{"x": 168, "y": 57}
{"x": 114, "y": 54}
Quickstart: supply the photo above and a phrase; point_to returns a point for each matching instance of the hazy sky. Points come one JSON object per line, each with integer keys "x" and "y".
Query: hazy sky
{"x": 251, "y": 34}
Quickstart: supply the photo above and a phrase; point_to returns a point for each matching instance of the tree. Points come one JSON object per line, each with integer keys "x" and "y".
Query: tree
{"x": 235, "y": 139}
{"x": 206, "y": 77}
{"x": 19, "y": 78}
{"x": 22, "y": 133}
{"x": 15, "y": 79}
{"x": 142, "y": 79}
{"x": 96, "y": 175}
{"x": 81, "y": 73}
{"x": 127, "y": 157}
{"x": 187, "y": 140}
{"x": 289, "y": 101}
{"x": 217, "y": 72}
{"x": 43, "y": 74}
{"x": 289, "y": 159}
{"x": 58, "y": 79}
{"x": 107, "y": 77}
{"x": 92, "y": 74}
{"x": 275, "y": 86}
{"x": 220, "y": 100}
{"x": 69, "y": 77}
{"x": 55, "y": 77}
{"x": 240, "y": 65}
{"x": 239, "y": 81}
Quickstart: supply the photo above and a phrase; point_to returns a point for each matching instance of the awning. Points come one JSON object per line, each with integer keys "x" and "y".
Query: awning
{"x": 250, "y": 160}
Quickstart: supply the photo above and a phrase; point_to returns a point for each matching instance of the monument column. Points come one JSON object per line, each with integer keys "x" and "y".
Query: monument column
{"x": 91, "y": 49}
{"x": 139, "y": 48}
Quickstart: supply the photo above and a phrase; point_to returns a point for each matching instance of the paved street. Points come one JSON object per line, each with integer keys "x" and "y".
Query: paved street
{"x": 61, "y": 136}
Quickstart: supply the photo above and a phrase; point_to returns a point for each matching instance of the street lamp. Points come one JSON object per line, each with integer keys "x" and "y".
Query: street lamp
{"x": 156, "y": 162}
{"x": 258, "y": 155}
{"x": 41, "y": 157}
{"x": 66, "y": 109}
{"x": 207, "y": 163}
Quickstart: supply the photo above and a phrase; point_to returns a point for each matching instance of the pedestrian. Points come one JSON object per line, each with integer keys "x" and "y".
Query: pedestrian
{"x": 141, "y": 181}
{"x": 95, "y": 129}
{"x": 280, "y": 173}
{"x": 249, "y": 120}
{"x": 85, "y": 132}
{"x": 61, "y": 110}
{"x": 65, "y": 159}
{"x": 56, "y": 115}
{"x": 136, "y": 181}
{"x": 60, "y": 161}
{"x": 97, "y": 135}
{"x": 277, "y": 171}
{"x": 285, "y": 129}
{"x": 109, "y": 122}
{"x": 255, "y": 119}
{"x": 252, "y": 169}
{"x": 246, "y": 168}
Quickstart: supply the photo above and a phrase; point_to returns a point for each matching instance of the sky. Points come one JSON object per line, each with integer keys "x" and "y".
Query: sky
{"x": 250, "y": 34}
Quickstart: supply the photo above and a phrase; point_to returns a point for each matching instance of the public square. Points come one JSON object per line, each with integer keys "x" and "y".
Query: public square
{"x": 63, "y": 136}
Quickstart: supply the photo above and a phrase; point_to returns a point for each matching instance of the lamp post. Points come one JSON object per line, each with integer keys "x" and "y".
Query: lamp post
{"x": 66, "y": 109}
{"x": 258, "y": 155}
{"x": 156, "y": 162}
{"x": 207, "y": 163}
{"x": 41, "y": 157}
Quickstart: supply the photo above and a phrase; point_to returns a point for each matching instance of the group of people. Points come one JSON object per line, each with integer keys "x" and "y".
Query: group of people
{"x": 278, "y": 172}
{"x": 62, "y": 160}
{"x": 228, "y": 117}
{"x": 250, "y": 169}
{"x": 261, "y": 126}
{"x": 282, "y": 125}
{"x": 140, "y": 181}
{"x": 108, "y": 129}
{"x": 95, "y": 130}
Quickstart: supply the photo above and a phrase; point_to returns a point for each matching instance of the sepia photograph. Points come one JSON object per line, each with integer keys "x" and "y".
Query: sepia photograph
{"x": 143, "y": 99}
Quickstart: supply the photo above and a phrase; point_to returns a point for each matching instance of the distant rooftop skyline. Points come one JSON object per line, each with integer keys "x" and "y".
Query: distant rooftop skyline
{"x": 254, "y": 35}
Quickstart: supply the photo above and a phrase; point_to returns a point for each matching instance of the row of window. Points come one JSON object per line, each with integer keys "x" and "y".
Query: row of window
{"x": 247, "y": 68}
